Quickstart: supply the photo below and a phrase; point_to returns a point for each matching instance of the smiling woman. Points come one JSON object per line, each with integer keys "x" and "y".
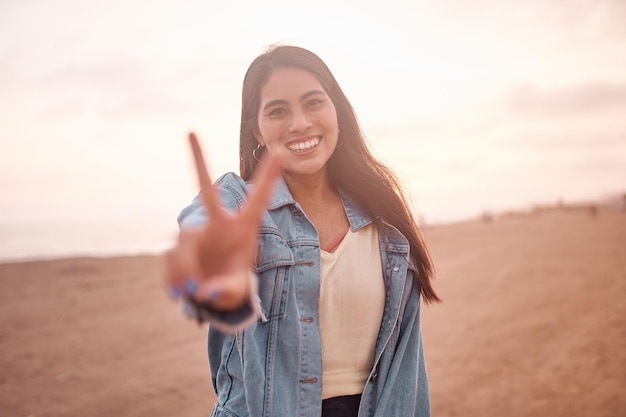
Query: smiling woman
{"x": 298, "y": 121}
{"x": 330, "y": 307}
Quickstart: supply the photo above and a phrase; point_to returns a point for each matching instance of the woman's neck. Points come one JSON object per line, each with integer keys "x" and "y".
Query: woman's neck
{"x": 310, "y": 190}
{"x": 322, "y": 205}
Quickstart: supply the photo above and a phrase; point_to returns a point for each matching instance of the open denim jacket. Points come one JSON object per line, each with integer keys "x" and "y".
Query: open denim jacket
{"x": 273, "y": 366}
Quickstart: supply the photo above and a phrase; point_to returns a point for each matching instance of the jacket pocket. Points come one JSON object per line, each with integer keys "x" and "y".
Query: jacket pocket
{"x": 219, "y": 411}
{"x": 273, "y": 261}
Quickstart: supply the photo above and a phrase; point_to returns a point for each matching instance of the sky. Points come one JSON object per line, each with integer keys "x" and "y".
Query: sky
{"x": 482, "y": 105}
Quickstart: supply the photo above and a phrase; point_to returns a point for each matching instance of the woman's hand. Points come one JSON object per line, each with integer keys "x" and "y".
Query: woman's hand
{"x": 212, "y": 264}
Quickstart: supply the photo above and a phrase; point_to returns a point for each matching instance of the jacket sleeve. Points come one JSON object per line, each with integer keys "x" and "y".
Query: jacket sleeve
{"x": 231, "y": 190}
{"x": 411, "y": 348}
{"x": 404, "y": 391}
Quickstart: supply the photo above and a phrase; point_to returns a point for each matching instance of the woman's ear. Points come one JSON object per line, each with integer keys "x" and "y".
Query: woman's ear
{"x": 259, "y": 138}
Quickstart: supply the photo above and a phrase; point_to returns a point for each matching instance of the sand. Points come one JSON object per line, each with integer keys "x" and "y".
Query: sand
{"x": 533, "y": 324}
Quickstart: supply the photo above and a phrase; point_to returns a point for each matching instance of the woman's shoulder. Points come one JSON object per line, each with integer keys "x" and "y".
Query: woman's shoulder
{"x": 231, "y": 180}
{"x": 231, "y": 189}
{"x": 233, "y": 184}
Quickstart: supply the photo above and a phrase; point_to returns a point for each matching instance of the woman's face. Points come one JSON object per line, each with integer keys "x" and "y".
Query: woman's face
{"x": 297, "y": 120}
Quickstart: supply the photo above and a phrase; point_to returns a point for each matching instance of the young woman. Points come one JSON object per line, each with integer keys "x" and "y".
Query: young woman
{"x": 310, "y": 274}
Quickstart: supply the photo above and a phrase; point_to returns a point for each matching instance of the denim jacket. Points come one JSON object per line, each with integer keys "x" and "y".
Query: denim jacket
{"x": 273, "y": 366}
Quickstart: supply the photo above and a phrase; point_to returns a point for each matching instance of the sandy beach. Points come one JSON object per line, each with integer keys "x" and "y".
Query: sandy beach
{"x": 533, "y": 323}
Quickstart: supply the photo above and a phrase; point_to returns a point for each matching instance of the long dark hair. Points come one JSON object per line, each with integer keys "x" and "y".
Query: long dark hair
{"x": 352, "y": 168}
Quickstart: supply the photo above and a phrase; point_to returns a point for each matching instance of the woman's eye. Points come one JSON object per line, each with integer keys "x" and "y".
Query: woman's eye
{"x": 276, "y": 112}
{"x": 314, "y": 102}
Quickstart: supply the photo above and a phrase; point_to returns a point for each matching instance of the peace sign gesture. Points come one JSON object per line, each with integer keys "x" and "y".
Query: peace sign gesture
{"x": 212, "y": 263}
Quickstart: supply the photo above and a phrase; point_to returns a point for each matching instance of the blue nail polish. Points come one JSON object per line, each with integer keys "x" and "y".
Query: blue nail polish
{"x": 191, "y": 286}
{"x": 214, "y": 294}
{"x": 174, "y": 293}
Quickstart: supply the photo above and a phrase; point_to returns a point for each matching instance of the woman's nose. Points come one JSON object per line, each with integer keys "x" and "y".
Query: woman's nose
{"x": 299, "y": 122}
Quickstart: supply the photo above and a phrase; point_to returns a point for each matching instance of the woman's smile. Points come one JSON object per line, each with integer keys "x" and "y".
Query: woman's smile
{"x": 302, "y": 146}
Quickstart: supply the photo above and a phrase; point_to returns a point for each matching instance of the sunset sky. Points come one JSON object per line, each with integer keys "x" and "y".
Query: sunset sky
{"x": 477, "y": 105}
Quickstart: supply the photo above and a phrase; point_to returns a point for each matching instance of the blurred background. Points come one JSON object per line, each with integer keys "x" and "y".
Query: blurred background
{"x": 478, "y": 106}
{"x": 505, "y": 120}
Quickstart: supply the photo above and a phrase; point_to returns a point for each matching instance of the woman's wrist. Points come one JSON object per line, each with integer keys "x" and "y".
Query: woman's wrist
{"x": 226, "y": 320}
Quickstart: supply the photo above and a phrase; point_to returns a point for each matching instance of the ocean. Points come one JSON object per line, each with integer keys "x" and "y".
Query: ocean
{"x": 19, "y": 242}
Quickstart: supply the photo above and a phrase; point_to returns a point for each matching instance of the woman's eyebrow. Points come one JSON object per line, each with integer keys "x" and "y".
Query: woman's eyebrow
{"x": 311, "y": 93}
{"x": 284, "y": 102}
{"x": 274, "y": 103}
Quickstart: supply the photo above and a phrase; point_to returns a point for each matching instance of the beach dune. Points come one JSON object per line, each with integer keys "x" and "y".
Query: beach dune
{"x": 533, "y": 323}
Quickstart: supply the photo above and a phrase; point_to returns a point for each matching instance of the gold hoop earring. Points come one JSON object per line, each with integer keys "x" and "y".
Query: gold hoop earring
{"x": 254, "y": 155}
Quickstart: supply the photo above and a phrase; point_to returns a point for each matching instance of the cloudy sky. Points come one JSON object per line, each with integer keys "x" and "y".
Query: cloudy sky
{"x": 481, "y": 105}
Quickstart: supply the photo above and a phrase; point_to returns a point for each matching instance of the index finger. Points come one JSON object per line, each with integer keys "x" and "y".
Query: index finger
{"x": 207, "y": 192}
{"x": 264, "y": 181}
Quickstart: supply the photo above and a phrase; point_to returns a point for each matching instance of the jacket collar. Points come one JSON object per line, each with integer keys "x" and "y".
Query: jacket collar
{"x": 357, "y": 217}
{"x": 282, "y": 197}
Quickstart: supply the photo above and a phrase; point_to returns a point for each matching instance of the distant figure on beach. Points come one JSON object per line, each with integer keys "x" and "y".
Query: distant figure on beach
{"x": 308, "y": 266}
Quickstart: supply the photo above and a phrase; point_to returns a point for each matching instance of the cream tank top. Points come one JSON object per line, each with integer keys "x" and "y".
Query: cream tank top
{"x": 352, "y": 299}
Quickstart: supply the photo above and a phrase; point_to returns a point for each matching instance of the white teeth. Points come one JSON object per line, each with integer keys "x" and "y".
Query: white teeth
{"x": 305, "y": 146}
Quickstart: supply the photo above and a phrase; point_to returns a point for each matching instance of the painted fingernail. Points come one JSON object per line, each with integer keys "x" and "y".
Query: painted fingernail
{"x": 174, "y": 293}
{"x": 214, "y": 294}
{"x": 191, "y": 286}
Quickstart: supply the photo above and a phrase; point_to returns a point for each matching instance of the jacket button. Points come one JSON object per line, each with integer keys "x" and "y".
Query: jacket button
{"x": 396, "y": 269}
